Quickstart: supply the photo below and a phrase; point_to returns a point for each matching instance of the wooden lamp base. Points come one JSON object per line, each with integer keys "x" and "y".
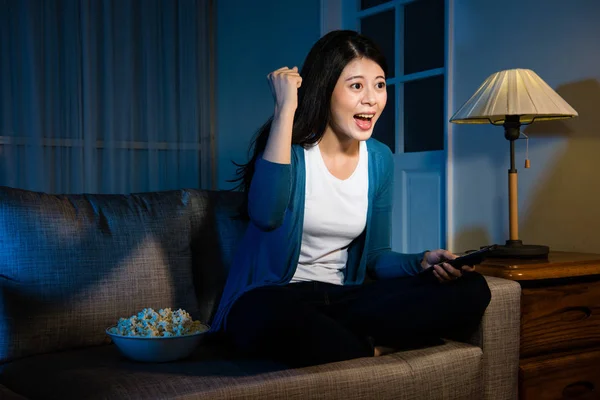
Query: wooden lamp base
{"x": 514, "y": 248}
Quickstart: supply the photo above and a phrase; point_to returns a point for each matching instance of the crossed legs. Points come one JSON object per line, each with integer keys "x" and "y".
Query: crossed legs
{"x": 313, "y": 323}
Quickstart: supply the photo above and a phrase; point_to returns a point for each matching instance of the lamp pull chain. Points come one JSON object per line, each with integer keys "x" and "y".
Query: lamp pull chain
{"x": 527, "y": 163}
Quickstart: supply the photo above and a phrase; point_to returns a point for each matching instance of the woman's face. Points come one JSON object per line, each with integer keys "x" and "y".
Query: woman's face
{"x": 358, "y": 99}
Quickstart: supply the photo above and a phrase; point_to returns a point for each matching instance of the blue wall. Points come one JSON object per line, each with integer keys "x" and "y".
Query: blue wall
{"x": 558, "y": 195}
{"x": 253, "y": 39}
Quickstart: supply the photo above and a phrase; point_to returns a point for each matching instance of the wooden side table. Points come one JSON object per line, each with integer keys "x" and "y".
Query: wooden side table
{"x": 560, "y": 323}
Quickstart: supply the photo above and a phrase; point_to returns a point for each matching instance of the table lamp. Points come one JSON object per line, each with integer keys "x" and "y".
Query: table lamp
{"x": 512, "y": 98}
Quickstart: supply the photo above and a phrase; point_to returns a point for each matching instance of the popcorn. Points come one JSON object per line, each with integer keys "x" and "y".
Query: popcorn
{"x": 164, "y": 323}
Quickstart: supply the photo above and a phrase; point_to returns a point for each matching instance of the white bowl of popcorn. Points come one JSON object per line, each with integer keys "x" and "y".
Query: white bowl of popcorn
{"x": 157, "y": 336}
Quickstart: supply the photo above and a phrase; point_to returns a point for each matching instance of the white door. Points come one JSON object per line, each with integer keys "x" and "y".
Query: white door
{"x": 413, "y": 36}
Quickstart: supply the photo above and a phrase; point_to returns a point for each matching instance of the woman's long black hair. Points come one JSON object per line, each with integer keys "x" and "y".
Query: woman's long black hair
{"x": 320, "y": 72}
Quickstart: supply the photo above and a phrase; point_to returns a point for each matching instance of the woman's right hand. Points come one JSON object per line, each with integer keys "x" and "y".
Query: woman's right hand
{"x": 284, "y": 84}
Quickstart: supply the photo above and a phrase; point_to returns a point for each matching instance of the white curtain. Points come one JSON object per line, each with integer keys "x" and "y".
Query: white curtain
{"x": 102, "y": 96}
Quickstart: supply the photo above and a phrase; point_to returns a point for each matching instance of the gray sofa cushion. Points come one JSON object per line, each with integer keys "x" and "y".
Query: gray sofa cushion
{"x": 449, "y": 371}
{"x": 70, "y": 266}
{"x": 216, "y": 232}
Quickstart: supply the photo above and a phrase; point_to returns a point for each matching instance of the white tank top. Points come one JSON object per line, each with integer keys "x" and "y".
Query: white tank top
{"x": 335, "y": 213}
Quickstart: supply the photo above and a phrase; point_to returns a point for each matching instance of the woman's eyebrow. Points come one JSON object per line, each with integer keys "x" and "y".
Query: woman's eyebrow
{"x": 362, "y": 77}
{"x": 355, "y": 77}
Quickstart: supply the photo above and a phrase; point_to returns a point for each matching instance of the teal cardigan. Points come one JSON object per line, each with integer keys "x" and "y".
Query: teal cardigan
{"x": 269, "y": 250}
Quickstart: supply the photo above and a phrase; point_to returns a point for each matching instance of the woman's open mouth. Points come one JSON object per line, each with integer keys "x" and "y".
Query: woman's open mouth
{"x": 364, "y": 121}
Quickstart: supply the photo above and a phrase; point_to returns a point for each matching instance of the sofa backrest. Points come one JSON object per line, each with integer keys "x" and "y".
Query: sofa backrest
{"x": 72, "y": 265}
{"x": 216, "y": 231}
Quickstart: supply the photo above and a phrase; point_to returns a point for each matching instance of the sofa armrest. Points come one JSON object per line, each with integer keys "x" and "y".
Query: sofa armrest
{"x": 498, "y": 336}
{"x": 6, "y": 394}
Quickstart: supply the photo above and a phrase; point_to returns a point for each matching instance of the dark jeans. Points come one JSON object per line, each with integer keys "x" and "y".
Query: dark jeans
{"x": 311, "y": 323}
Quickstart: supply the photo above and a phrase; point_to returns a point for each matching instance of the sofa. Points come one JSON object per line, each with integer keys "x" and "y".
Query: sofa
{"x": 72, "y": 265}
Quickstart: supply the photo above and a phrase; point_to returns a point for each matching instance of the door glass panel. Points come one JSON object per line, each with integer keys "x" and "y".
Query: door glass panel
{"x": 423, "y": 35}
{"x": 364, "y": 4}
{"x": 424, "y": 114}
{"x": 380, "y": 28}
{"x": 385, "y": 128}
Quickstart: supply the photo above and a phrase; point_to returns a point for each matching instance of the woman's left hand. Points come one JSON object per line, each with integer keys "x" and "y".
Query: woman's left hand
{"x": 442, "y": 270}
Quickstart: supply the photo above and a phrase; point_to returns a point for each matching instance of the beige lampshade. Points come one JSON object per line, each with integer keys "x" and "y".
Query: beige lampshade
{"x": 513, "y": 92}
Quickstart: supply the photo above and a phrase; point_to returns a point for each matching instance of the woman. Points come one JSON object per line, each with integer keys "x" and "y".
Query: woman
{"x": 314, "y": 279}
